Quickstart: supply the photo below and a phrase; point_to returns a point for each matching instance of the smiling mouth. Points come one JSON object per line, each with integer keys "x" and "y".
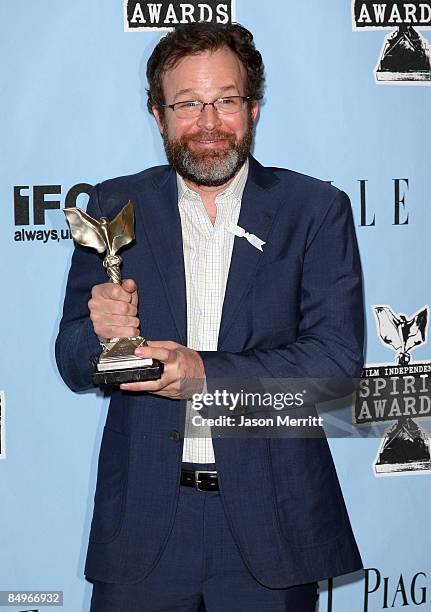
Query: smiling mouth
{"x": 210, "y": 141}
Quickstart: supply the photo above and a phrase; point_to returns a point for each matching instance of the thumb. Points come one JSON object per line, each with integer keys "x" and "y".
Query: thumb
{"x": 129, "y": 285}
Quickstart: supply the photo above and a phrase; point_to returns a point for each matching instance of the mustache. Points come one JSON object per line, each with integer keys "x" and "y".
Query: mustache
{"x": 208, "y": 136}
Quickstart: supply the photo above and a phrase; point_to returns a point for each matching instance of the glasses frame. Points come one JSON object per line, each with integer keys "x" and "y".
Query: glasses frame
{"x": 204, "y": 104}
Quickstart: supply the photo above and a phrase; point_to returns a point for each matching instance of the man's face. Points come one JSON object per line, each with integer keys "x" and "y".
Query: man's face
{"x": 209, "y": 149}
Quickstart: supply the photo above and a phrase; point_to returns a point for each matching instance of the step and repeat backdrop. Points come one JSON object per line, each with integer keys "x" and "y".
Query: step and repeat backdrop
{"x": 347, "y": 101}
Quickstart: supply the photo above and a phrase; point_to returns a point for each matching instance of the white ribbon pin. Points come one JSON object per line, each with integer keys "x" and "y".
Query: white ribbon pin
{"x": 241, "y": 233}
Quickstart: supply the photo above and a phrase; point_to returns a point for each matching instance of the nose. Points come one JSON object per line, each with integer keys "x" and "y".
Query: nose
{"x": 209, "y": 118}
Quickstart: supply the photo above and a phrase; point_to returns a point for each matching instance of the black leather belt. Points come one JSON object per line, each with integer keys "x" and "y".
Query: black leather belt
{"x": 201, "y": 480}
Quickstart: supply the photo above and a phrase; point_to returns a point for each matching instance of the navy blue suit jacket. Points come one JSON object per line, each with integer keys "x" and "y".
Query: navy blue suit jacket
{"x": 293, "y": 310}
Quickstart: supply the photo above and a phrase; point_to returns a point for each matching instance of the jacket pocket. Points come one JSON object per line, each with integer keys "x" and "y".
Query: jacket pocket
{"x": 109, "y": 499}
{"x": 307, "y": 495}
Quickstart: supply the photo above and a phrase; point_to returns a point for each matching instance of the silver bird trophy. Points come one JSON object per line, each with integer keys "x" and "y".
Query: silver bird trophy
{"x": 117, "y": 364}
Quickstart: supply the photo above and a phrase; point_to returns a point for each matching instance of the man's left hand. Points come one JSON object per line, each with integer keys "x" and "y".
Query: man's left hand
{"x": 183, "y": 374}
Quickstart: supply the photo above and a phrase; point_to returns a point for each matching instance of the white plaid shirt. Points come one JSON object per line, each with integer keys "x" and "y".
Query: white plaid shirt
{"x": 207, "y": 253}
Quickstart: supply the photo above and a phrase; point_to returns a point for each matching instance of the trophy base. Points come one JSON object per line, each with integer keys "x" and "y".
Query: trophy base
{"x": 119, "y": 364}
{"x": 116, "y": 377}
{"x": 418, "y": 76}
{"x": 411, "y": 466}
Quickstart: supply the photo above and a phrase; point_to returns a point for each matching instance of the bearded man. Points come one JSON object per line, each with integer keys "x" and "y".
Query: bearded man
{"x": 238, "y": 271}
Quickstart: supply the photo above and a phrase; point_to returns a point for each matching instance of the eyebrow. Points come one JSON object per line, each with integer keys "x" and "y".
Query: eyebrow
{"x": 193, "y": 92}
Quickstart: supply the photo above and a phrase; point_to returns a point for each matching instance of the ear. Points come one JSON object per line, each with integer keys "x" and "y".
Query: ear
{"x": 254, "y": 109}
{"x": 159, "y": 122}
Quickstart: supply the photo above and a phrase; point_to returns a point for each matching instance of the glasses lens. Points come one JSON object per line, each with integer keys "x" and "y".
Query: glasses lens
{"x": 188, "y": 109}
{"x": 229, "y": 105}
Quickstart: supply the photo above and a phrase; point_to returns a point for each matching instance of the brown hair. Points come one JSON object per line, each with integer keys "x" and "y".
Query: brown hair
{"x": 194, "y": 38}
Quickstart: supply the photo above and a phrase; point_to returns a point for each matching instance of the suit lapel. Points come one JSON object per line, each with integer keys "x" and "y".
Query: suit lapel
{"x": 258, "y": 208}
{"x": 159, "y": 215}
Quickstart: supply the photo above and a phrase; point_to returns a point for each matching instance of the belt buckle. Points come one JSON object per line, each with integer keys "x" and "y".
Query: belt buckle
{"x": 197, "y": 481}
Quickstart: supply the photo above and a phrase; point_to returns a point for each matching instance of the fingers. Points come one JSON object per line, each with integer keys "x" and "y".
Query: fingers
{"x": 183, "y": 373}
{"x": 112, "y": 291}
{"x": 114, "y": 310}
{"x": 169, "y": 344}
{"x": 112, "y": 307}
{"x": 114, "y": 326}
{"x": 160, "y": 353}
{"x": 165, "y": 387}
{"x": 163, "y": 350}
{"x": 150, "y": 386}
{"x": 114, "y": 320}
{"x": 168, "y": 384}
{"x": 107, "y": 330}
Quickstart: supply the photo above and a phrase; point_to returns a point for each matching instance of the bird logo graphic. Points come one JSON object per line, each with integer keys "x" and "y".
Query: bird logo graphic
{"x": 400, "y": 332}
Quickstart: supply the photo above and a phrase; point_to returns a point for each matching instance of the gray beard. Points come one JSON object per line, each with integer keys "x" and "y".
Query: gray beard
{"x": 210, "y": 173}
{"x": 209, "y": 169}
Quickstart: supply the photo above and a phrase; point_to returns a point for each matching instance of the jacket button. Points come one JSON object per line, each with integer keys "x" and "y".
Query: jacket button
{"x": 175, "y": 435}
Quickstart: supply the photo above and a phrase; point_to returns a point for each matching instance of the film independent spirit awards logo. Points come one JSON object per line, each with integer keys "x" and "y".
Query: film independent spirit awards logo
{"x": 143, "y": 16}
{"x": 405, "y": 57}
{"x": 399, "y": 392}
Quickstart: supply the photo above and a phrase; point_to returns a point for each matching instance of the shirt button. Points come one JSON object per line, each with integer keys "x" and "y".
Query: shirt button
{"x": 175, "y": 435}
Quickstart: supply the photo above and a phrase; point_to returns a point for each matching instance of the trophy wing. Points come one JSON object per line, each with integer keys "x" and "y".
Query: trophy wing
{"x": 388, "y": 326}
{"x": 122, "y": 228}
{"x": 417, "y": 331}
{"x": 85, "y": 230}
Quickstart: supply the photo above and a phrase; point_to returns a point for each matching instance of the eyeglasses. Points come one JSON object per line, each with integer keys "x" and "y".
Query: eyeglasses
{"x": 193, "y": 108}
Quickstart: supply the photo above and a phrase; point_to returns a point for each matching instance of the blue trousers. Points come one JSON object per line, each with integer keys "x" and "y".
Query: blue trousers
{"x": 201, "y": 570}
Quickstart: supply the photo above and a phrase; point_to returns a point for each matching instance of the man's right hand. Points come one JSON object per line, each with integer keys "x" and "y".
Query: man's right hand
{"x": 114, "y": 310}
